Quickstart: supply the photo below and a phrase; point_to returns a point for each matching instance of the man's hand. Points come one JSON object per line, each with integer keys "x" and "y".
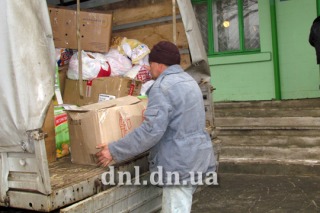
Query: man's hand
{"x": 104, "y": 155}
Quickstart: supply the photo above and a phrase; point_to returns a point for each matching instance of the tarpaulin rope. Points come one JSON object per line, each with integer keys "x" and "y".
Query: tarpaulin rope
{"x": 174, "y": 22}
{"x": 79, "y": 49}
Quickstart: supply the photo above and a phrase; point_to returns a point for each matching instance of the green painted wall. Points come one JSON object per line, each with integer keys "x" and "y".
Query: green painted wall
{"x": 243, "y": 79}
{"x": 251, "y": 77}
{"x": 237, "y": 78}
{"x": 299, "y": 72}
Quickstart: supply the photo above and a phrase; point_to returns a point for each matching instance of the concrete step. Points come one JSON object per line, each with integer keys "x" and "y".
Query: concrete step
{"x": 265, "y": 112}
{"x": 269, "y": 166}
{"x": 299, "y": 103}
{"x": 285, "y": 108}
{"x": 269, "y": 137}
{"x": 263, "y": 152}
{"x": 283, "y": 141}
{"x": 268, "y": 131}
{"x": 309, "y": 122}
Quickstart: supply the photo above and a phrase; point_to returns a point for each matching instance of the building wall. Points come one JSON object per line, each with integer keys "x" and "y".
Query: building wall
{"x": 299, "y": 73}
{"x": 251, "y": 77}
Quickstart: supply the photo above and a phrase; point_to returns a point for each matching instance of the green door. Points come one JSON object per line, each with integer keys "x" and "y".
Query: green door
{"x": 299, "y": 73}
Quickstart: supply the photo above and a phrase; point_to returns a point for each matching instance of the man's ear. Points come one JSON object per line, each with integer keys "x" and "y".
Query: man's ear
{"x": 163, "y": 67}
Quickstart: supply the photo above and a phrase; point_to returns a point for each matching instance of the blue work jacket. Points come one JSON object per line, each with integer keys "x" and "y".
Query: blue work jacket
{"x": 173, "y": 129}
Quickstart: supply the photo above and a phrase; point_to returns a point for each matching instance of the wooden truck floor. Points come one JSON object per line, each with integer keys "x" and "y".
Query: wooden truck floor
{"x": 70, "y": 183}
{"x": 63, "y": 173}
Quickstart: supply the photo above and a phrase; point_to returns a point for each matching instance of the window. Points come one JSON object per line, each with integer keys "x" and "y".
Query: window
{"x": 228, "y": 26}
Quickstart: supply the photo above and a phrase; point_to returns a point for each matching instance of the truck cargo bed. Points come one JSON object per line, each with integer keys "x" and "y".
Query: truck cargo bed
{"x": 69, "y": 183}
{"x": 63, "y": 173}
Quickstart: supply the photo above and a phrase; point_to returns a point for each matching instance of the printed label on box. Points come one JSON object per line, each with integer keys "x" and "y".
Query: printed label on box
{"x": 105, "y": 97}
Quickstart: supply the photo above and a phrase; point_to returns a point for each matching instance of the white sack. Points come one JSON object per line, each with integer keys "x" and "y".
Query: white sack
{"x": 119, "y": 63}
{"x": 92, "y": 63}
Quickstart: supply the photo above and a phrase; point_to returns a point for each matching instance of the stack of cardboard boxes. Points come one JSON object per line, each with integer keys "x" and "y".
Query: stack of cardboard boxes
{"x": 92, "y": 122}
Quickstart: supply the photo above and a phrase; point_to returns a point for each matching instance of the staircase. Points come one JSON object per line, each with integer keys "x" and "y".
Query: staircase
{"x": 269, "y": 137}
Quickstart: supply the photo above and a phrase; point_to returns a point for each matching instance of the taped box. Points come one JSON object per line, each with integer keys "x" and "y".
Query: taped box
{"x": 95, "y": 29}
{"x": 99, "y": 89}
{"x": 48, "y": 128}
{"x": 102, "y": 122}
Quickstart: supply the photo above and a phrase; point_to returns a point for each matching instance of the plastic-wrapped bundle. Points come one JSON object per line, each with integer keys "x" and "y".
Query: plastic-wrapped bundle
{"x": 119, "y": 63}
{"x": 93, "y": 65}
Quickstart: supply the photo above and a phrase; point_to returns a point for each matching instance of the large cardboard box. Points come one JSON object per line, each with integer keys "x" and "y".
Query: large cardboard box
{"x": 48, "y": 128}
{"x": 98, "y": 88}
{"x": 102, "y": 122}
{"x": 95, "y": 29}
{"x": 62, "y": 77}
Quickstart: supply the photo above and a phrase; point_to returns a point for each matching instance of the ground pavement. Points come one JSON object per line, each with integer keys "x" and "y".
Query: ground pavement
{"x": 260, "y": 193}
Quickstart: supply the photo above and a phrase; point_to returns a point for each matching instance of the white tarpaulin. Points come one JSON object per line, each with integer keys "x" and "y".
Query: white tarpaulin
{"x": 27, "y": 70}
{"x": 199, "y": 68}
{"x": 197, "y": 50}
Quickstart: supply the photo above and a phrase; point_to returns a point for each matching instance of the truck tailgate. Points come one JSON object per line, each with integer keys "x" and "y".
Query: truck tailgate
{"x": 70, "y": 183}
{"x": 122, "y": 198}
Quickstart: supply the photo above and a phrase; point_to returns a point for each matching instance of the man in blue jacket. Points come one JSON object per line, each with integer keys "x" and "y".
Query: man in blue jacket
{"x": 173, "y": 131}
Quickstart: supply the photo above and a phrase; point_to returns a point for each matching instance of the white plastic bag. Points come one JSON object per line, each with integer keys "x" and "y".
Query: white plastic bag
{"x": 63, "y": 56}
{"x": 127, "y": 45}
{"x": 143, "y": 75}
{"x": 132, "y": 73}
{"x": 139, "y": 53}
{"x": 146, "y": 86}
{"x": 119, "y": 63}
{"x": 140, "y": 73}
{"x": 92, "y": 64}
{"x": 134, "y": 49}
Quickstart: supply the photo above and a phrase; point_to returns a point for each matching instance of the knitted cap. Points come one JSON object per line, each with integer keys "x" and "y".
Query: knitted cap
{"x": 166, "y": 53}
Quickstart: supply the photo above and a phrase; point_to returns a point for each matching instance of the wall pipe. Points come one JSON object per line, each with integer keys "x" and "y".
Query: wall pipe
{"x": 275, "y": 50}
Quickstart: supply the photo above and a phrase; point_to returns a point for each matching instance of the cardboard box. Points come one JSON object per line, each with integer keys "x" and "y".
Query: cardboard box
{"x": 48, "y": 128}
{"x": 107, "y": 86}
{"x": 95, "y": 29}
{"x": 62, "y": 77}
{"x": 102, "y": 122}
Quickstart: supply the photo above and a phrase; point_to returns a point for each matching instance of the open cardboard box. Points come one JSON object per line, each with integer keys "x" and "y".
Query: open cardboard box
{"x": 102, "y": 122}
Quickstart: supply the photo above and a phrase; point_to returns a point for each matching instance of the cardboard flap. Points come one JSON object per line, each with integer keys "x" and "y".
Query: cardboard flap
{"x": 97, "y": 106}
{"x": 73, "y": 108}
{"x": 86, "y": 108}
{"x": 77, "y": 115}
{"x": 126, "y": 100}
{"x": 75, "y": 112}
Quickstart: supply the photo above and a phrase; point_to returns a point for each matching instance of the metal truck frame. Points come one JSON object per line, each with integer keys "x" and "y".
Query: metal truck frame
{"x": 28, "y": 181}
